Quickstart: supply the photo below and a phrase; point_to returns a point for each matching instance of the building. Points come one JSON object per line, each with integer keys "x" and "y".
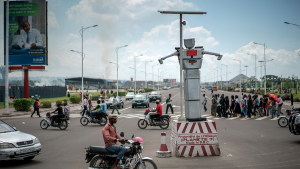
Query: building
{"x": 142, "y": 84}
{"x": 90, "y": 83}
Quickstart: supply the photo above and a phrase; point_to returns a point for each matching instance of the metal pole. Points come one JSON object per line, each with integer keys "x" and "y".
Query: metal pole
{"x": 134, "y": 74}
{"x": 265, "y": 79}
{"x": 255, "y": 74}
{"x": 181, "y": 118}
{"x": 6, "y": 61}
{"x": 117, "y": 73}
{"x": 82, "y": 65}
{"x": 145, "y": 76}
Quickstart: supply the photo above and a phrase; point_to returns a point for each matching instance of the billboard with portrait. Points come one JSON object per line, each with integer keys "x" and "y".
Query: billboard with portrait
{"x": 27, "y": 32}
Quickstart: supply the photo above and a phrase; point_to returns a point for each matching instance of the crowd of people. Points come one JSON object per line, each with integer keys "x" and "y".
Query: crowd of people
{"x": 246, "y": 106}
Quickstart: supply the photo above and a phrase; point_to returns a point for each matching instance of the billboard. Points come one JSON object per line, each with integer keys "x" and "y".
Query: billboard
{"x": 27, "y": 32}
{"x": 166, "y": 80}
{"x": 173, "y": 80}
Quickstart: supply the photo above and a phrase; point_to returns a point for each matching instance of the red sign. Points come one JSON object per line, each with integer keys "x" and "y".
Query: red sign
{"x": 192, "y": 52}
{"x": 173, "y": 80}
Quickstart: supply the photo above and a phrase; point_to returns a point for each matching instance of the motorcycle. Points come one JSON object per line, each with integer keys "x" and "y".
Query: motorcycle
{"x": 294, "y": 122}
{"x": 100, "y": 118}
{"x": 99, "y": 157}
{"x": 61, "y": 123}
{"x": 162, "y": 121}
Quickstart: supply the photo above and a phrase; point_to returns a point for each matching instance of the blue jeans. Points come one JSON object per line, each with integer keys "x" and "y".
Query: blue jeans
{"x": 117, "y": 149}
{"x": 54, "y": 117}
{"x": 268, "y": 110}
{"x": 93, "y": 114}
{"x": 245, "y": 110}
{"x": 84, "y": 110}
{"x": 205, "y": 109}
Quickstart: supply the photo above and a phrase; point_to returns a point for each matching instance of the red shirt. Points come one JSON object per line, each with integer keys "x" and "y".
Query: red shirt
{"x": 159, "y": 109}
{"x": 109, "y": 135}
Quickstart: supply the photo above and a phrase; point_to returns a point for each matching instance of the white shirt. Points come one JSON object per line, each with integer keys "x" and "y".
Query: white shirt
{"x": 237, "y": 100}
{"x": 245, "y": 101}
{"x": 204, "y": 100}
{"x": 85, "y": 102}
{"x": 115, "y": 102}
{"x": 34, "y": 37}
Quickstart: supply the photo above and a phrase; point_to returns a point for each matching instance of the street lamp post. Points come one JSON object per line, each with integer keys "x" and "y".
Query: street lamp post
{"x": 118, "y": 68}
{"x": 255, "y": 70}
{"x": 217, "y": 75}
{"x": 226, "y": 75}
{"x": 264, "y": 63}
{"x": 158, "y": 78}
{"x": 240, "y": 71}
{"x": 221, "y": 78}
{"x": 246, "y": 69}
{"x": 293, "y": 24}
{"x": 135, "y": 72}
{"x": 261, "y": 72}
{"x": 81, "y": 33}
{"x": 146, "y": 74}
{"x": 153, "y": 76}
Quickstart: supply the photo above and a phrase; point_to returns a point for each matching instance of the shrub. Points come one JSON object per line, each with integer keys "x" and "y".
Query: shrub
{"x": 45, "y": 104}
{"x": 296, "y": 99}
{"x": 23, "y": 104}
{"x": 130, "y": 90}
{"x": 120, "y": 93}
{"x": 66, "y": 101}
{"x": 75, "y": 99}
{"x": 95, "y": 98}
{"x": 148, "y": 90}
{"x": 59, "y": 101}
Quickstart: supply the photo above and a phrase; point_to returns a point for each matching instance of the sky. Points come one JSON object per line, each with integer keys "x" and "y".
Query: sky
{"x": 230, "y": 27}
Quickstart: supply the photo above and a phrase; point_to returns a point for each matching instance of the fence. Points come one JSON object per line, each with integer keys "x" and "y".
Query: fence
{"x": 43, "y": 91}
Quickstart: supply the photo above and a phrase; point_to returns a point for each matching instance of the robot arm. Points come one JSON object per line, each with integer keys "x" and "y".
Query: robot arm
{"x": 170, "y": 55}
{"x": 212, "y": 53}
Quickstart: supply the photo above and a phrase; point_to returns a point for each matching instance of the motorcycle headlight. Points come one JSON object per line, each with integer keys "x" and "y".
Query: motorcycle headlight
{"x": 36, "y": 140}
{"x": 6, "y": 145}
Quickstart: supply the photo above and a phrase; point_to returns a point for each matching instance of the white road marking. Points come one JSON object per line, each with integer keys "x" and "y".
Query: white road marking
{"x": 232, "y": 118}
{"x": 261, "y": 118}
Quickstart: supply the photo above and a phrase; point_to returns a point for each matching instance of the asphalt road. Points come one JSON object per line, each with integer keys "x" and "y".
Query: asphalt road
{"x": 251, "y": 143}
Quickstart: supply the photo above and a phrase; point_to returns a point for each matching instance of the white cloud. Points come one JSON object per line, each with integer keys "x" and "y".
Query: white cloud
{"x": 52, "y": 21}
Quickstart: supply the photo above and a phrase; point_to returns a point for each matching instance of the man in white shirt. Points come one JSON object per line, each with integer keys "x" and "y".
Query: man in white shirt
{"x": 85, "y": 105}
{"x": 279, "y": 106}
{"x": 115, "y": 104}
{"x": 29, "y": 38}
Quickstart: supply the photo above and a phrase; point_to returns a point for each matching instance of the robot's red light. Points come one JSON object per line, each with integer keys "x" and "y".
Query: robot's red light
{"x": 192, "y": 52}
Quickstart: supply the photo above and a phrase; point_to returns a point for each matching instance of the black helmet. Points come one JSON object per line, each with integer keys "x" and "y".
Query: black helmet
{"x": 57, "y": 104}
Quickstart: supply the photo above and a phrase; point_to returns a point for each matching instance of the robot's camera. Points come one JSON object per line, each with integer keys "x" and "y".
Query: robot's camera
{"x": 160, "y": 61}
{"x": 177, "y": 48}
{"x": 183, "y": 23}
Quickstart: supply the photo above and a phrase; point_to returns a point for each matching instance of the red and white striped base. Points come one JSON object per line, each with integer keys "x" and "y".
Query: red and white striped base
{"x": 194, "y": 139}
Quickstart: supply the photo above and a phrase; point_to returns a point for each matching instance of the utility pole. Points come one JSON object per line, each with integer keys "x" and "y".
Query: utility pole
{"x": 6, "y": 61}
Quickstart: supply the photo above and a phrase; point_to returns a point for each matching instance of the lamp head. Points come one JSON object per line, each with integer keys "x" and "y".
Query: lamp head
{"x": 72, "y": 50}
{"x": 254, "y": 42}
{"x": 95, "y": 25}
{"x": 286, "y": 22}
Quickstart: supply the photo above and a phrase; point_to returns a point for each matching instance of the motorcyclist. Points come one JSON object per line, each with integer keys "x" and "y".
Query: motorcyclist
{"x": 60, "y": 114}
{"x": 111, "y": 137}
{"x": 158, "y": 112}
{"x": 97, "y": 108}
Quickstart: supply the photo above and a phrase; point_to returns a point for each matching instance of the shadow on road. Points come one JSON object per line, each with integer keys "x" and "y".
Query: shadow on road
{"x": 19, "y": 163}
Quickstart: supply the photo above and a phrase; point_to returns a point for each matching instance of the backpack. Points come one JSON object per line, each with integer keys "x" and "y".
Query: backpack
{"x": 167, "y": 100}
{"x": 38, "y": 103}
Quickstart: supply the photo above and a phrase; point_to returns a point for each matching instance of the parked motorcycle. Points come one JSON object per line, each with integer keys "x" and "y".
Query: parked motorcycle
{"x": 162, "y": 121}
{"x": 61, "y": 123}
{"x": 99, "y": 119}
{"x": 294, "y": 121}
{"x": 99, "y": 157}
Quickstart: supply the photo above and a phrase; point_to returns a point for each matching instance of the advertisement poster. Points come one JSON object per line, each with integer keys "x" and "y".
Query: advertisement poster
{"x": 27, "y": 32}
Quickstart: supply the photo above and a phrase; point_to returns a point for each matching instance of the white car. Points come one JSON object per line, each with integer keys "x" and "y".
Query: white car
{"x": 202, "y": 89}
{"x": 17, "y": 145}
{"x": 129, "y": 95}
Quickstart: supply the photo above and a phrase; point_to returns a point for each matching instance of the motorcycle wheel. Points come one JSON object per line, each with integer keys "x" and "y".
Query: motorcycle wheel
{"x": 282, "y": 122}
{"x": 149, "y": 164}
{"x": 63, "y": 125}
{"x": 84, "y": 121}
{"x": 142, "y": 124}
{"x": 44, "y": 124}
{"x": 103, "y": 121}
{"x": 165, "y": 124}
{"x": 96, "y": 163}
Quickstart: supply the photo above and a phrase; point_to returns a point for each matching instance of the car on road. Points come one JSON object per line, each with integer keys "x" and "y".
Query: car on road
{"x": 16, "y": 145}
{"x": 202, "y": 89}
{"x": 120, "y": 102}
{"x": 155, "y": 95}
{"x": 129, "y": 95}
{"x": 141, "y": 99}
{"x": 165, "y": 88}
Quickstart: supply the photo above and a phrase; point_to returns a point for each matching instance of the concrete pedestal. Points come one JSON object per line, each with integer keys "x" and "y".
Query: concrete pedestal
{"x": 194, "y": 139}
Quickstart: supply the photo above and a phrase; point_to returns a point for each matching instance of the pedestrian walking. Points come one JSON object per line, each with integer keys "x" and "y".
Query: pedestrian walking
{"x": 87, "y": 93}
{"x": 223, "y": 105}
{"x": 260, "y": 107}
{"x": 232, "y": 104}
{"x": 214, "y": 104}
{"x": 212, "y": 92}
{"x": 265, "y": 101}
{"x": 279, "y": 106}
{"x": 84, "y": 105}
{"x": 237, "y": 107}
{"x": 36, "y": 107}
{"x": 36, "y": 95}
{"x": 273, "y": 108}
{"x": 115, "y": 105}
{"x": 268, "y": 106}
{"x": 227, "y": 107}
{"x": 90, "y": 103}
{"x": 80, "y": 94}
{"x": 250, "y": 106}
{"x": 68, "y": 94}
{"x": 245, "y": 103}
{"x": 107, "y": 92}
{"x": 111, "y": 92}
{"x": 204, "y": 102}
{"x": 168, "y": 101}
{"x": 255, "y": 103}
{"x": 292, "y": 99}
{"x": 219, "y": 106}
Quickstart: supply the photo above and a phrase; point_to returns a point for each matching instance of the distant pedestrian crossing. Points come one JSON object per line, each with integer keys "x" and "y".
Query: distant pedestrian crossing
{"x": 128, "y": 116}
